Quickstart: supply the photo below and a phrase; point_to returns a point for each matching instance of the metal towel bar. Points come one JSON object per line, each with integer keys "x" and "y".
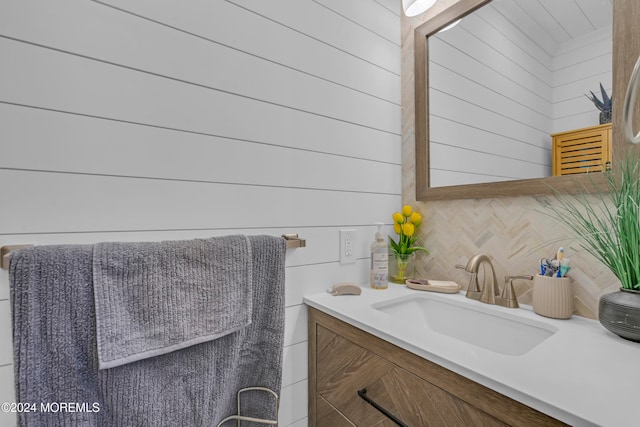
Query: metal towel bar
{"x": 293, "y": 241}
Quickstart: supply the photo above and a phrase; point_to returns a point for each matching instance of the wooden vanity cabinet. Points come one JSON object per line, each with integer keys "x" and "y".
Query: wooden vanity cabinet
{"x": 344, "y": 359}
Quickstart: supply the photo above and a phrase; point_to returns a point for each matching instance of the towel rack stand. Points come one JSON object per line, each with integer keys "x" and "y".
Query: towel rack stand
{"x": 293, "y": 241}
{"x": 238, "y": 417}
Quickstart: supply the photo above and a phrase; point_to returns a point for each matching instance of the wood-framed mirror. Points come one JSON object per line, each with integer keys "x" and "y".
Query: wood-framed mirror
{"x": 624, "y": 57}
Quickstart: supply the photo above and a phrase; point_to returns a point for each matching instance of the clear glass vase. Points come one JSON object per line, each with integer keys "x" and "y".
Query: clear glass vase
{"x": 401, "y": 268}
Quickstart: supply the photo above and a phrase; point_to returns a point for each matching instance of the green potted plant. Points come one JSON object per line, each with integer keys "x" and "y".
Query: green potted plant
{"x": 606, "y": 225}
{"x": 604, "y": 106}
{"x": 405, "y": 224}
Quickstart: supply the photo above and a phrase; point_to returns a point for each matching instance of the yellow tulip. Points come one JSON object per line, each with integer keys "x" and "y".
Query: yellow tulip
{"x": 406, "y": 210}
{"x": 396, "y": 228}
{"x": 415, "y": 219}
{"x": 398, "y": 218}
{"x": 408, "y": 229}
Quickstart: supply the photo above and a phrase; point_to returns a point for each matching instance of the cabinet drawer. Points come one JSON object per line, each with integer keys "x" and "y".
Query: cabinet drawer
{"x": 343, "y": 368}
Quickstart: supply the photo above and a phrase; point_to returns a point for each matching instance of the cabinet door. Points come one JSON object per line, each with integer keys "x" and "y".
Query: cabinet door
{"x": 582, "y": 150}
{"x": 328, "y": 416}
{"x": 343, "y": 368}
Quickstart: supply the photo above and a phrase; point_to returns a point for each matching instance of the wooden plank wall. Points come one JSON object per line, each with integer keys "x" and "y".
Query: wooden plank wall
{"x": 159, "y": 120}
{"x": 579, "y": 67}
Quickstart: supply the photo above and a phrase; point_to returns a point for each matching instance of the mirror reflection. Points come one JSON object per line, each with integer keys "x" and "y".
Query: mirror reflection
{"x": 507, "y": 78}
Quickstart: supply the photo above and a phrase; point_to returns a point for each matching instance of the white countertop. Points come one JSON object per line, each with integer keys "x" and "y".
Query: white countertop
{"x": 582, "y": 375}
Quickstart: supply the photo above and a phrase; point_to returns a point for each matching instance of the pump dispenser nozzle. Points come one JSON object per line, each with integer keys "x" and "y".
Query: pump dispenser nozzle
{"x": 379, "y": 233}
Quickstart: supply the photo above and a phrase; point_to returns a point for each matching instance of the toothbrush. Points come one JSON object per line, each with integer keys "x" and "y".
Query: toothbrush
{"x": 565, "y": 266}
{"x": 559, "y": 257}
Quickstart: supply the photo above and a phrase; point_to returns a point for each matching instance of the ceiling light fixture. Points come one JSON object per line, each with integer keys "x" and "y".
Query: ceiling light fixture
{"x": 450, "y": 26}
{"x": 416, "y": 7}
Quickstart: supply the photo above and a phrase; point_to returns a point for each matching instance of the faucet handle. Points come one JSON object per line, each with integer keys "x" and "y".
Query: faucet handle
{"x": 473, "y": 288}
{"x": 508, "y": 297}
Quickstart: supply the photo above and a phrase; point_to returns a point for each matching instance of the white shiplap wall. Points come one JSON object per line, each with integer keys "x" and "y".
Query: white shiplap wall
{"x": 579, "y": 67}
{"x": 159, "y": 120}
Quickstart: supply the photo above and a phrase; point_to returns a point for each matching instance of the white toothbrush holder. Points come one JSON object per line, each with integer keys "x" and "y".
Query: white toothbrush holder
{"x": 553, "y": 297}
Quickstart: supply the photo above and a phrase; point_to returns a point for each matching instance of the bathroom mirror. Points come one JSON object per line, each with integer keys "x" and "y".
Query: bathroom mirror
{"x": 473, "y": 22}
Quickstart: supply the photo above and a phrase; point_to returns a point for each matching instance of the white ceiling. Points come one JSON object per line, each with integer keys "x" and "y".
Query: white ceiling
{"x": 562, "y": 20}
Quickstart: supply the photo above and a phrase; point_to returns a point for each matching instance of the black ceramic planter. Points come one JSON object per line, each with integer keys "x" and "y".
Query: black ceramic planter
{"x": 619, "y": 312}
{"x": 605, "y": 117}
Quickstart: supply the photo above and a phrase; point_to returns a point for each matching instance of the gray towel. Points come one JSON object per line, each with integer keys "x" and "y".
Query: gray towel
{"x": 56, "y": 361}
{"x": 156, "y": 297}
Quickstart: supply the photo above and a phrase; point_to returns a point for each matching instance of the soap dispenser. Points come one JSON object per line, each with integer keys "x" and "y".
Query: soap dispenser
{"x": 378, "y": 277}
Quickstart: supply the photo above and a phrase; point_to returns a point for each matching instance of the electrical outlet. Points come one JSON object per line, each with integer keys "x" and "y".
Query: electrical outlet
{"x": 347, "y": 246}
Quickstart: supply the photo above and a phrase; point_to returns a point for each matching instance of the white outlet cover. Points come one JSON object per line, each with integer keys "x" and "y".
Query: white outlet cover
{"x": 347, "y": 246}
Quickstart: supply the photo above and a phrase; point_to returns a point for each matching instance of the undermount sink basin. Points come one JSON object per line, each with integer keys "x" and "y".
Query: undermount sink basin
{"x": 469, "y": 321}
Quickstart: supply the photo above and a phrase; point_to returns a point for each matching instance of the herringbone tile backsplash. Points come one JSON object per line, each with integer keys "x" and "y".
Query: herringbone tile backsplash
{"x": 515, "y": 233}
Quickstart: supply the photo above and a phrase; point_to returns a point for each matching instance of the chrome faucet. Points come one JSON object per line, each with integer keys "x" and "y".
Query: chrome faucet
{"x": 489, "y": 293}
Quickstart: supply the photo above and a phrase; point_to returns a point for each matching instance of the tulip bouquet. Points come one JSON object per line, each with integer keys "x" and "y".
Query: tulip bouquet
{"x": 405, "y": 224}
